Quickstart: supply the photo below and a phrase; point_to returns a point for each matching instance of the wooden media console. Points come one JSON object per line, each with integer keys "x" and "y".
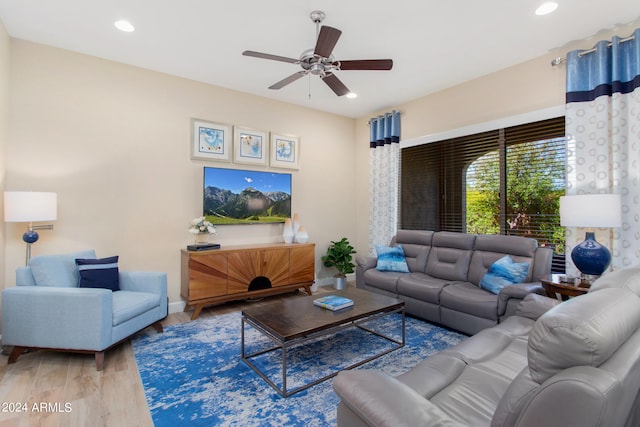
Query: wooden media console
{"x": 221, "y": 275}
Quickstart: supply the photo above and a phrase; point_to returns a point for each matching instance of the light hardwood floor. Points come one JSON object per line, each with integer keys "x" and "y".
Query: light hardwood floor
{"x": 64, "y": 389}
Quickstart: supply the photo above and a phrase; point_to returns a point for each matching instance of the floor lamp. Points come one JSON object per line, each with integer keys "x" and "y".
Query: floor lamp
{"x": 30, "y": 206}
{"x": 591, "y": 211}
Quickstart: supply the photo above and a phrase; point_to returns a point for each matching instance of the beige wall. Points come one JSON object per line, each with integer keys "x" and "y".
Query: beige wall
{"x": 4, "y": 107}
{"x": 528, "y": 87}
{"x": 114, "y": 142}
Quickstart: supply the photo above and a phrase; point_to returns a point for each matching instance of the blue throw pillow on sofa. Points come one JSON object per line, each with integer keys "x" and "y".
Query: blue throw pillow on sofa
{"x": 391, "y": 258}
{"x": 99, "y": 273}
{"x": 504, "y": 272}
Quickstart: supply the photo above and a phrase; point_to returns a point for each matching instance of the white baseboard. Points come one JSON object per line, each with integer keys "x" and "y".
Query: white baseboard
{"x": 177, "y": 307}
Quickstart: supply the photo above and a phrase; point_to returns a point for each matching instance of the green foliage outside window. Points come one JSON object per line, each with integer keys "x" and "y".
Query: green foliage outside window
{"x": 535, "y": 180}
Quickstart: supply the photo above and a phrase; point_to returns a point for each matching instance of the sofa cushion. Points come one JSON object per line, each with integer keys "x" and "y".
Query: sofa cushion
{"x": 385, "y": 280}
{"x": 583, "y": 331}
{"x": 58, "y": 270}
{"x": 391, "y": 258}
{"x": 129, "y": 304}
{"x": 416, "y": 245}
{"x": 468, "y": 298}
{"x": 99, "y": 273}
{"x": 504, "y": 272}
{"x": 450, "y": 255}
{"x": 422, "y": 287}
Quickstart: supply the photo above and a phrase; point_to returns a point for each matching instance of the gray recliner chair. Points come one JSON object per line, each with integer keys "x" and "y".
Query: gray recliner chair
{"x": 578, "y": 364}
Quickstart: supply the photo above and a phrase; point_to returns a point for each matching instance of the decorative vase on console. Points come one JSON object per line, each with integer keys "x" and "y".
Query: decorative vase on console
{"x": 287, "y": 232}
{"x": 201, "y": 230}
{"x": 301, "y": 236}
{"x": 295, "y": 223}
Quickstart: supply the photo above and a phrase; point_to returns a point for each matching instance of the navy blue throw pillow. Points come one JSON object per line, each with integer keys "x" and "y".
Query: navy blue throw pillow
{"x": 99, "y": 273}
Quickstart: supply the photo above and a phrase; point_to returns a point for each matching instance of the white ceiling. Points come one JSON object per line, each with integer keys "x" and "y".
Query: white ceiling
{"x": 434, "y": 43}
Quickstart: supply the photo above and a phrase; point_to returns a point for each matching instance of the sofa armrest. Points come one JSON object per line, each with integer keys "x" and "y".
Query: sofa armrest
{"x": 144, "y": 281}
{"x": 366, "y": 262}
{"x": 517, "y": 291}
{"x": 382, "y": 400}
{"x": 533, "y": 306}
{"x": 52, "y": 317}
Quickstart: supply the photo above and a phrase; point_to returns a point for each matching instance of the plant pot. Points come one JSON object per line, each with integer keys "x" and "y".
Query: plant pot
{"x": 201, "y": 238}
{"x": 341, "y": 282}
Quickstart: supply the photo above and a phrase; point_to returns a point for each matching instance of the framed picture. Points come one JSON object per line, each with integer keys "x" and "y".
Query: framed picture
{"x": 250, "y": 146}
{"x": 210, "y": 141}
{"x": 285, "y": 151}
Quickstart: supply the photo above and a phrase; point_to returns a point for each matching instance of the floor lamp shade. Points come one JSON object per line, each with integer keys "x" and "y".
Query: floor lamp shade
{"x": 30, "y": 207}
{"x": 591, "y": 211}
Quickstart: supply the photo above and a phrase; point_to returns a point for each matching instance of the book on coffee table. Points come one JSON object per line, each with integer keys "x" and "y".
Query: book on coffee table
{"x": 333, "y": 302}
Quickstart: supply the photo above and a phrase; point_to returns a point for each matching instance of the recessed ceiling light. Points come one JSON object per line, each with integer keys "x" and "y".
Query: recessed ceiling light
{"x": 125, "y": 26}
{"x": 546, "y": 8}
{"x": 351, "y": 95}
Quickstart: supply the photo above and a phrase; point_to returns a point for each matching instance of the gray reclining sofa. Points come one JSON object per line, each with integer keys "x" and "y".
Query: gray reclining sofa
{"x": 445, "y": 270}
{"x": 577, "y": 365}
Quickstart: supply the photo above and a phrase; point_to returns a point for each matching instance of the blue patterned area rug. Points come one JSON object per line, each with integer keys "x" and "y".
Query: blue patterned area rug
{"x": 193, "y": 374}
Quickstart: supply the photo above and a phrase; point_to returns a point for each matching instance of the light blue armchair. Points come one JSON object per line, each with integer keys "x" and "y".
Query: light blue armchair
{"x": 48, "y": 310}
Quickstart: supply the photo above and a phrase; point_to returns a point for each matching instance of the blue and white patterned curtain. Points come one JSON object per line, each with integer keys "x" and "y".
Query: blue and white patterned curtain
{"x": 603, "y": 130}
{"x": 384, "y": 180}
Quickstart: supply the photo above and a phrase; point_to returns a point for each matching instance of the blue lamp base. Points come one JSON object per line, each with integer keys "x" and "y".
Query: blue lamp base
{"x": 590, "y": 257}
{"x": 30, "y": 236}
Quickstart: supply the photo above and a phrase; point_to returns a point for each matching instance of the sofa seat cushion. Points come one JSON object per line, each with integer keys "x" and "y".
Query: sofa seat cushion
{"x": 386, "y": 280}
{"x": 422, "y": 287}
{"x": 468, "y": 298}
{"x": 129, "y": 304}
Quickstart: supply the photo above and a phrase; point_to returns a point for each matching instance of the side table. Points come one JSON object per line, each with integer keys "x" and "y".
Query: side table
{"x": 556, "y": 288}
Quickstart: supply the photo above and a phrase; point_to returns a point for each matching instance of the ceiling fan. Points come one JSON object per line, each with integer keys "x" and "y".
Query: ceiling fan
{"x": 320, "y": 61}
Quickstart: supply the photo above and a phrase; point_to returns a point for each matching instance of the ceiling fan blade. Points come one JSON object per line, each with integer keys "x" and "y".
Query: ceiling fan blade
{"x": 367, "y": 64}
{"x": 335, "y": 84}
{"x": 269, "y": 56}
{"x": 292, "y": 78}
{"x": 327, "y": 40}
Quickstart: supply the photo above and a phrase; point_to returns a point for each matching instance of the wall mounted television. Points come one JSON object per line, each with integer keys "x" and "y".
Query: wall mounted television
{"x": 235, "y": 196}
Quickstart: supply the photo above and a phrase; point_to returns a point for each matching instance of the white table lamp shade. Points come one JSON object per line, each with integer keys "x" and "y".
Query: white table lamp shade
{"x": 30, "y": 206}
{"x": 591, "y": 210}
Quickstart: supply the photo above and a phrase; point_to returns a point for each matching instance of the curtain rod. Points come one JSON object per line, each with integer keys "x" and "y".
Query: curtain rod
{"x": 559, "y": 60}
{"x": 399, "y": 112}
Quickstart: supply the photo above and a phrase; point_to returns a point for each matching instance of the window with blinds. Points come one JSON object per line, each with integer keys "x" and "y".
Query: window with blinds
{"x": 505, "y": 181}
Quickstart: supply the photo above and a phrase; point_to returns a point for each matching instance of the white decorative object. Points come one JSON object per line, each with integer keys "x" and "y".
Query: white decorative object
{"x": 287, "y": 232}
{"x": 295, "y": 223}
{"x": 301, "y": 236}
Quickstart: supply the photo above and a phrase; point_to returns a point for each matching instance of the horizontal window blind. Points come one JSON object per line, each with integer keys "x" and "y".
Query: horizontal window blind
{"x": 505, "y": 181}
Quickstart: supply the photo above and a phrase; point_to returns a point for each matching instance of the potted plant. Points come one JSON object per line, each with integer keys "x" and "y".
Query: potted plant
{"x": 339, "y": 255}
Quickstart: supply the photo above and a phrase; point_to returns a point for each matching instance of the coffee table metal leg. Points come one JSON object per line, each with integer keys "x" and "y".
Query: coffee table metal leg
{"x": 284, "y": 370}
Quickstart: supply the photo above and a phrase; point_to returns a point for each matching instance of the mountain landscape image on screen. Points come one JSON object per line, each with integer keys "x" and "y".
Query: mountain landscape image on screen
{"x": 250, "y": 205}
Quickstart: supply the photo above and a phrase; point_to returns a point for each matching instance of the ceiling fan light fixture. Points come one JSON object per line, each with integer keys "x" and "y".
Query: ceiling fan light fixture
{"x": 352, "y": 95}
{"x": 320, "y": 62}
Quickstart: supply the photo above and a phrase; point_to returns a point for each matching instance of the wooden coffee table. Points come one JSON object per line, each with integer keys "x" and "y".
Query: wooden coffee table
{"x": 293, "y": 321}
